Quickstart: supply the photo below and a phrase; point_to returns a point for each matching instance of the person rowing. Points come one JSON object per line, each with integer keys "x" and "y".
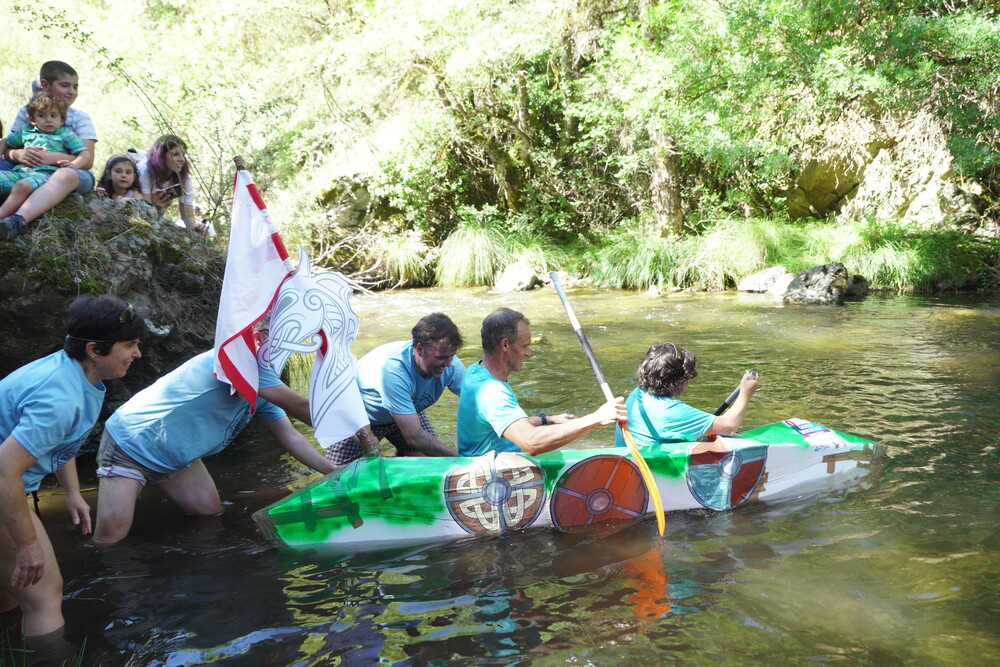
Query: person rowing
{"x": 489, "y": 416}
{"x": 656, "y": 415}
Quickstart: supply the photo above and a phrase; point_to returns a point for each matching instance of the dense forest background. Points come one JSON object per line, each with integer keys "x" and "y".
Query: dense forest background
{"x": 642, "y": 143}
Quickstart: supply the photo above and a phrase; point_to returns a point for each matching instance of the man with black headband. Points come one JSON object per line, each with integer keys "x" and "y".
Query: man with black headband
{"x": 47, "y": 409}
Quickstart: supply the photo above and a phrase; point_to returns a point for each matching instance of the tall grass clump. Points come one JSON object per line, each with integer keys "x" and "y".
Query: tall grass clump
{"x": 400, "y": 259}
{"x": 892, "y": 256}
{"x": 471, "y": 255}
{"x": 483, "y": 245}
{"x": 716, "y": 258}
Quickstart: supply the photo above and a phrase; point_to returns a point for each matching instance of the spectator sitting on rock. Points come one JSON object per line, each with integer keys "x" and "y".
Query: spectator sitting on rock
{"x": 47, "y": 131}
{"x": 61, "y": 80}
{"x": 119, "y": 181}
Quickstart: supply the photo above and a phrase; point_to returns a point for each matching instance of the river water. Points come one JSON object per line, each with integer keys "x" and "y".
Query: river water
{"x": 900, "y": 569}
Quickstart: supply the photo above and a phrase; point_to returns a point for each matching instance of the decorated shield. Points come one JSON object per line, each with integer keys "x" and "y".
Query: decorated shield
{"x": 721, "y": 477}
{"x": 600, "y": 490}
{"x": 496, "y": 493}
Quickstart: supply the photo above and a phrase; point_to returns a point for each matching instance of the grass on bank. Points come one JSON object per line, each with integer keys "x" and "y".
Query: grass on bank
{"x": 888, "y": 255}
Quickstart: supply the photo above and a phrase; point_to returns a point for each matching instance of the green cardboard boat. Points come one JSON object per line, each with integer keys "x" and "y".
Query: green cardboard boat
{"x": 387, "y": 502}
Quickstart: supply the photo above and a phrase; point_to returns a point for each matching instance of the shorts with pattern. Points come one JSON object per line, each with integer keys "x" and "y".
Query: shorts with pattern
{"x": 113, "y": 462}
{"x": 349, "y": 449}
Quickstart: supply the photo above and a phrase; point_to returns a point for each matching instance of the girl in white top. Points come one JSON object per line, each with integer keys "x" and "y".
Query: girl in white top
{"x": 165, "y": 175}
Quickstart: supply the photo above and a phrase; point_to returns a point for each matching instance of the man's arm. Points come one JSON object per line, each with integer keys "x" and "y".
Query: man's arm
{"x": 415, "y": 435}
{"x": 29, "y": 560}
{"x": 286, "y": 399}
{"x": 79, "y": 510}
{"x": 296, "y": 444}
{"x": 539, "y": 439}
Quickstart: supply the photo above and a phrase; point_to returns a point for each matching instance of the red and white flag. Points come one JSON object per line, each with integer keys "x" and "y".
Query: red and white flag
{"x": 256, "y": 265}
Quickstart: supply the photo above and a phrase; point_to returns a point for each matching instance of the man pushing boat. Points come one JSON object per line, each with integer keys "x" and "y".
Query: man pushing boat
{"x": 399, "y": 381}
{"x": 161, "y": 434}
{"x": 489, "y": 416}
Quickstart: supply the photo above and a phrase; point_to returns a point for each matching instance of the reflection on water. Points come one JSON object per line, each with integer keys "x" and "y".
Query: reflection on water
{"x": 900, "y": 569}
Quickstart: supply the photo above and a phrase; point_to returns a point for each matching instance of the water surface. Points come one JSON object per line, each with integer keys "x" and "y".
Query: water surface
{"x": 902, "y": 569}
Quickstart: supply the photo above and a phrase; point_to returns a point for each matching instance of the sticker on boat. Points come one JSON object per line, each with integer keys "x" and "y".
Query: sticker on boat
{"x": 721, "y": 478}
{"x": 603, "y": 489}
{"x": 495, "y": 494}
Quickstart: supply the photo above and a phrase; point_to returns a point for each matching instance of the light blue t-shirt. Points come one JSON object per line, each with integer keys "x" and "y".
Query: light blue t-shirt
{"x": 655, "y": 420}
{"x": 186, "y": 415}
{"x": 391, "y": 382}
{"x": 50, "y": 407}
{"x": 485, "y": 410}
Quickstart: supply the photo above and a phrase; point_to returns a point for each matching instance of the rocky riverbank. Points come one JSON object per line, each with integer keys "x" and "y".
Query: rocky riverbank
{"x": 92, "y": 245}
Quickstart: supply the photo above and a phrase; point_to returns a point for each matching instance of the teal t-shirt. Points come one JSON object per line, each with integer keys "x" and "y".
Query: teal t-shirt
{"x": 485, "y": 410}
{"x": 390, "y": 382}
{"x": 50, "y": 407}
{"x": 186, "y": 415}
{"x": 655, "y": 420}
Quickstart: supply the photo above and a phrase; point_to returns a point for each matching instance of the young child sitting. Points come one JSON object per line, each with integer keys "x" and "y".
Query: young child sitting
{"x": 61, "y": 80}
{"x": 119, "y": 180}
{"x": 47, "y": 130}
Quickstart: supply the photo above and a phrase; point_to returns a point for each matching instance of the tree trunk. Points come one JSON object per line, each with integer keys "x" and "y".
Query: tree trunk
{"x": 665, "y": 184}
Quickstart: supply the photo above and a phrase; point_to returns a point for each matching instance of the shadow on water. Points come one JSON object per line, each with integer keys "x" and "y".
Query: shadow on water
{"x": 901, "y": 569}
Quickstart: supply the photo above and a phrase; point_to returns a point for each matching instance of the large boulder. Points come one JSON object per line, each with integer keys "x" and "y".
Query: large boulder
{"x": 820, "y": 284}
{"x": 892, "y": 168}
{"x": 93, "y": 245}
{"x": 773, "y": 280}
{"x": 518, "y": 277}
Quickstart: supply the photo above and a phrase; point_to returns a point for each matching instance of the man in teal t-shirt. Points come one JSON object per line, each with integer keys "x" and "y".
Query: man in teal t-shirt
{"x": 399, "y": 381}
{"x": 47, "y": 409}
{"x": 489, "y": 416}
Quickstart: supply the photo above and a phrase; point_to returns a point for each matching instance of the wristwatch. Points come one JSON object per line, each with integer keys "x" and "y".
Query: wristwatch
{"x": 545, "y": 420}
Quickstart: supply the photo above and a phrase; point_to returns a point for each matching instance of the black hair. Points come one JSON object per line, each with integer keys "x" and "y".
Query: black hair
{"x": 436, "y": 328}
{"x": 53, "y": 69}
{"x": 102, "y": 320}
{"x": 500, "y": 324}
{"x": 665, "y": 368}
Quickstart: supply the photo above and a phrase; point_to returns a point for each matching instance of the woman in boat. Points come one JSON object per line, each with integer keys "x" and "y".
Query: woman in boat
{"x": 655, "y": 413}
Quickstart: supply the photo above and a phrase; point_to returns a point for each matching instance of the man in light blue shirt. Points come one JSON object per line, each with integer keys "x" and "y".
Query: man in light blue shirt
{"x": 162, "y": 433}
{"x": 489, "y": 417}
{"x": 399, "y": 381}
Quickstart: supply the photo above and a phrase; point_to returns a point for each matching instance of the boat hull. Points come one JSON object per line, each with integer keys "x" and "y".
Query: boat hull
{"x": 392, "y": 501}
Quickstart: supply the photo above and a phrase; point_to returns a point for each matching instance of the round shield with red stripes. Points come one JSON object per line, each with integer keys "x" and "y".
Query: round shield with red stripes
{"x": 721, "y": 476}
{"x": 599, "y": 491}
{"x": 495, "y": 494}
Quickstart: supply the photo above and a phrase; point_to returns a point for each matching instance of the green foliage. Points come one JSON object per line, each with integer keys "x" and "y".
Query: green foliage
{"x": 492, "y": 131}
{"x": 474, "y": 252}
{"x": 401, "y": 258}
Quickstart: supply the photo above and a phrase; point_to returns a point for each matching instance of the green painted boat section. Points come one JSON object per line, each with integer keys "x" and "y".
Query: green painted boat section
{"x": 782, "y": 433}
{"x": 337, "y": 502}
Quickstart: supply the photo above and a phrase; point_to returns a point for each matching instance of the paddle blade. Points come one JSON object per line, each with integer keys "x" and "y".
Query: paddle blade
{"x": 647, "y": 477}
